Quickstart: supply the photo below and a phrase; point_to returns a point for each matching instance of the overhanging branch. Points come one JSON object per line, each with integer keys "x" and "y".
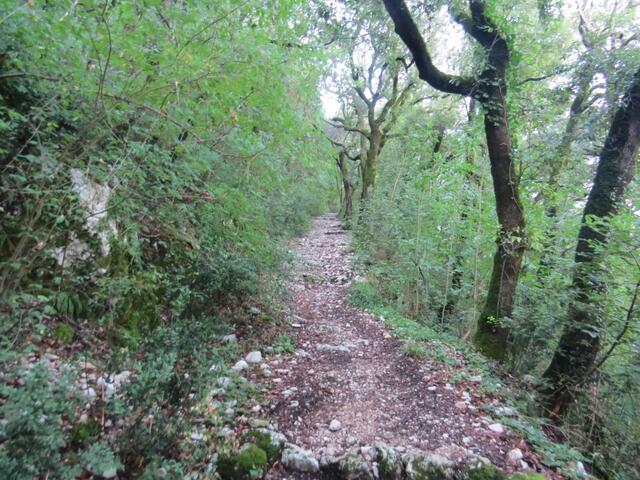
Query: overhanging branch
{"x": 408, "y": 31}
{"x": 349, "y": 129}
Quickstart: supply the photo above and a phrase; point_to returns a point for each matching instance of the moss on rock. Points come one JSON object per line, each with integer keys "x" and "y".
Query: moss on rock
{"x": 267, "y": 441}
{"x": 427, "y": 466}
{"x": 249, "y": 463}
{"x": 352, "y": 466}
{"x": 389, "y": 462}
{"x": 485, "y": 472}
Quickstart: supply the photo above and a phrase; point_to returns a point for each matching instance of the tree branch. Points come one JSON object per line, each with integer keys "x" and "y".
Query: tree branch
{"x": 619, "y": 337}
{"x": 479, "y": 26}
{"x": 537, "y": 79}
{"x": 349, "y": 129}
{"x": 408, "y": 31}
{"x": 395, "y": 102}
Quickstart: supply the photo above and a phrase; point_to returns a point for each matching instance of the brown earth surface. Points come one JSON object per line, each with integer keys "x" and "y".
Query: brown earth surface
{"x": 349, "y": 367}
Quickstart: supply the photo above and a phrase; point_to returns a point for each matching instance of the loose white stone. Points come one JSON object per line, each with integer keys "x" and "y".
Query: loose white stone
{"x": 240, "y": 365}
{"x": 496, "y": 427}
{"x": 288, "y": 393}
{"x": 505, "y": 411}
{"x": 109, "y": 390}
{"x": 121, "y": 377}
{"x": 461, "y": 406}
{"x": 230, "y": 338}
{"x": 110, "y": 473}
{"x": 514, "y": 456}
{"x": 89, "y": 392}
{"x": 296, "y": 458}
{"x": 254, "y": 357}
{"x": 335, "y": 425}
{"x": 196, "y": 437}
{"x": 333, "y": 348}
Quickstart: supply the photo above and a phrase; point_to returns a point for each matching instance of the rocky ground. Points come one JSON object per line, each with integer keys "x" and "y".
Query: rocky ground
{"x": 350, "y": 384}
{"x": 342, "y": 397}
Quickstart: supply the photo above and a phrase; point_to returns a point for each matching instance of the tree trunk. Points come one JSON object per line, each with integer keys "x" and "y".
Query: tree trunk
{"x": 579, "y": 343}
{"x": 491, "y": 335}
{"x": 370, "y": 166}
{"x": 347, "y": 199}
{"x": 490, "y": 89}
{"x": 348, "y": 202}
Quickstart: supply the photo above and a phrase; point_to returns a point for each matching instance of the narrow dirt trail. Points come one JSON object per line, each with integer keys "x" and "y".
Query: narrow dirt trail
{"x": 348, "y": 367}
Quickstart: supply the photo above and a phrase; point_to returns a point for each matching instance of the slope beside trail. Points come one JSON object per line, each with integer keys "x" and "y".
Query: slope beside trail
{"x": 348, "y": 367}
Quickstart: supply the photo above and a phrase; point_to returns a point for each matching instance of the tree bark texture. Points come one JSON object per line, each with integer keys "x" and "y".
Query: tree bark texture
{"x": 579, "y": 343}
{"x": 490, "y": 90}
{"x": 370, "y": 164}
{"x": 347, "y": 200}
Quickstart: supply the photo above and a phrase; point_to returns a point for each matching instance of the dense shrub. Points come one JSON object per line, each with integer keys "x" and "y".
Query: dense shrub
{"x": 139, "y": 190}
{"x": 154, "y": 158}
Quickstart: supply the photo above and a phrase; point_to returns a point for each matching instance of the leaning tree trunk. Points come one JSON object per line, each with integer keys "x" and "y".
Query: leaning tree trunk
{"x": 491, "y": 335}
{"x": 579, "y": 345}
{"x": 490, "y": 89}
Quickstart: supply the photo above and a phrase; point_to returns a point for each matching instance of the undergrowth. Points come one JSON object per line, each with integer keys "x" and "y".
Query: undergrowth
{"x": 152, "y": 167}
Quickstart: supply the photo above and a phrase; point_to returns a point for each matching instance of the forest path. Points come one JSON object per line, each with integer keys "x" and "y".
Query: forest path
{"x": 348, "y": 367}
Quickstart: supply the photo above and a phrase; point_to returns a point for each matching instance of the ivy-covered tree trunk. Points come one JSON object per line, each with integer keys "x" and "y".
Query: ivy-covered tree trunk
{"x": 491, "y": 335}
{"x": 579, "y": 345}
{"x": 490, "y": 89}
